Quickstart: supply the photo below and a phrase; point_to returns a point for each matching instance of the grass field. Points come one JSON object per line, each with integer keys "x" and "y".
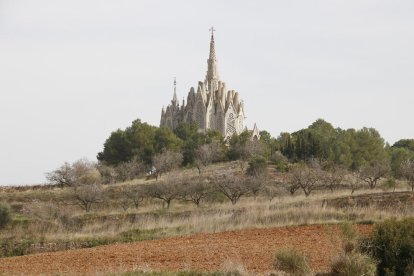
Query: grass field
{"x": 48, "y": 219}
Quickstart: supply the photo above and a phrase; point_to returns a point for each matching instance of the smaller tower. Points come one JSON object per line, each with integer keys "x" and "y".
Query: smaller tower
{"x": 174, "y": 100}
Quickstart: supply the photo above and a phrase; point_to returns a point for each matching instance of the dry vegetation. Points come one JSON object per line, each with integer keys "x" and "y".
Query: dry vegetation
{"x": 53, "y": 219}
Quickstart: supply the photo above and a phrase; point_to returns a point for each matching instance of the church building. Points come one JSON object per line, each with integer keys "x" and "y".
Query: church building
{"x": 213, "y": 106}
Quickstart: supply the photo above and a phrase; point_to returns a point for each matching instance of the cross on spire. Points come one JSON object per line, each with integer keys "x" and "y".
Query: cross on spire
{"x": 212, "y": 30}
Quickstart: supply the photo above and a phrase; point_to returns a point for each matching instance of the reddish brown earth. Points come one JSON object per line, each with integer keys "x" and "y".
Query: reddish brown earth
{"x": 254, "y": 248}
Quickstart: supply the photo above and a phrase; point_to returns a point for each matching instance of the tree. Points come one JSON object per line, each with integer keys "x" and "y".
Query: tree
{"x": 206, "y": 154}
{"x": 195, "y": 190}
{"x": 270, "y": 144}
{"x": 306, "y": 177}
{"x": 354, "y": 182}
{"x": 165, "y": 139}
{"x": 257, "y": 172}
{"x": 132, "y": 194}
{"x": 136, "y": 141}
{"x": 166, "y": 161}
{"x": 166, "y": 190}
{"x": 108, "y": 173}
{"x": 62, "y": 176}
{"x": 280, "y": 161}
{"x": 87, "y": 194}
{"x": 405, "y": 144}
{"x": 255, "y": 184}
{"x": 372, "y": 173}
{"x": 333, "y": 176}
{"x": 408, "y": 172}
{"x": 73, "y": 174}
{"x": 242, "y": 148}
{"x": 129, "y": 170}
{"x": 192, "y": 139}
{"x": 257, "y": 167}
{"x": 273, "y": 189}
{"x": 231, "y": 186}
{"x": 368, "y": 148}
{"x": 398, "y": 157}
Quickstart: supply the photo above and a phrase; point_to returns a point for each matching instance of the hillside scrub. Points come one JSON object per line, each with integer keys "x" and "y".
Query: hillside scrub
{"x": 392, "y": 244}
{"x": 4, "y": 216}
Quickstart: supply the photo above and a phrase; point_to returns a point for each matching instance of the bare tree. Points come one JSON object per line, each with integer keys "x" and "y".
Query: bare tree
{"x": 195, "y": 190}
{"x": 206, "y": 154}
{"x": 272, "y": 189}
{"x": 333, "y": 176}
{"x": 372, "y": 173}
{"x": 72, "y": 174}
{"x": 166, "y": 190}
{"x": 354, "y": 181}
{"x": 129, "y": 170}
{"x": 62, "y": 176}
{"x": 408, "y": 173}
{"x": 166, "y": 161}
{"x": 136, "y": 194}
{"x": 231, "y": 186}
{"x": 305, "y": 177}
{"x": 108, "y": 173}
{"x": 255, "y": 184}
{"x": 87, "y": 195}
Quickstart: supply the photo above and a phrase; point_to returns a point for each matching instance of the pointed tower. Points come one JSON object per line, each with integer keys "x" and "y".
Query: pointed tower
{"x": 212, "y": 77}
{"x": 174, "y": 100}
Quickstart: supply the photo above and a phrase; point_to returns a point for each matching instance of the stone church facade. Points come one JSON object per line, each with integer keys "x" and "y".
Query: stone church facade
{"x": 212, "y": 106}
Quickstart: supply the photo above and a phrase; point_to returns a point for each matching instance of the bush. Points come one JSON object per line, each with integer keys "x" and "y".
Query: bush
{"x": 392, "y": 244}
{"x": 353, "y": 264}
{"x": 291, "y": 262}
{"x": 257, "y": 166}
{"x": 4, "y": 216}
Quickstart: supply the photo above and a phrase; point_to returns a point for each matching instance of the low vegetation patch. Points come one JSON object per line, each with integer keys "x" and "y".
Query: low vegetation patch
{"x": 392, "y": 244}
{"x": 353, "y": 264}
{"x": 5, "y": 217}
{"x": 292, "y": 262}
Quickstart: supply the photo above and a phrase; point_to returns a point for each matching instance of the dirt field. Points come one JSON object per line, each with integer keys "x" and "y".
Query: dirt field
{"x": 253, "y": 248}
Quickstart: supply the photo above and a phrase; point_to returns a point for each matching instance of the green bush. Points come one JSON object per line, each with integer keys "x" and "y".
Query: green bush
{"x": 392, "y": 244}
{"x": 12, "y": 246}
{"x": 4, "y": 216}
{"x": 257, "y": 166}
{"x": 291, "y": 262}
{"x": 353, "y": 264}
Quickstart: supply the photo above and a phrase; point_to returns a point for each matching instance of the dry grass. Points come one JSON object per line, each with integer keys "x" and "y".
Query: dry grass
{"x": 50, "y": 217}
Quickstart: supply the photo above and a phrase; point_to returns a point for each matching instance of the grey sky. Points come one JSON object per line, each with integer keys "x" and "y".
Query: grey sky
{"x": 73, "y": 71}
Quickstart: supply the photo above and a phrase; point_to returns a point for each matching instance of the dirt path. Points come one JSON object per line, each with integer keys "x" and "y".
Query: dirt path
{"x": 253, "y": 248}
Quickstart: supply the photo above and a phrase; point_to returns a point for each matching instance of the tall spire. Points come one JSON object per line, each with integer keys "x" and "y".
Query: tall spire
{"x": 212, "y": 76}
{"x": 174, "y": 100}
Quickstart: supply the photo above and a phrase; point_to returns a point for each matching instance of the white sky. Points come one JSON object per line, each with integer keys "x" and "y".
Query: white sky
{"x": 73, "y": 71}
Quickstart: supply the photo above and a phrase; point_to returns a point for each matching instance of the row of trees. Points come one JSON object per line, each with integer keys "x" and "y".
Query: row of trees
{"x": 141, "y": 146}
{"x": 85, "y": 182}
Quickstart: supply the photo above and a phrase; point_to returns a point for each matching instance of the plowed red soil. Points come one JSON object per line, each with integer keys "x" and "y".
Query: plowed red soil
{"x": 254, "y": 249}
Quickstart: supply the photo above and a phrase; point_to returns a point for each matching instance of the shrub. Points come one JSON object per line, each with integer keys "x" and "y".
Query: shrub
{"x": 291, "y": 262}
{"x": 353, "y": 264}
{"x": 4, "y": 216}
{"x": 257, "y": 166}
{"x": 392, "y": 244}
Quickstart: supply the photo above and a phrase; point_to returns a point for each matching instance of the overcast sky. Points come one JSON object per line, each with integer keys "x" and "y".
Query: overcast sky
{"x": 73, "y": 71}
